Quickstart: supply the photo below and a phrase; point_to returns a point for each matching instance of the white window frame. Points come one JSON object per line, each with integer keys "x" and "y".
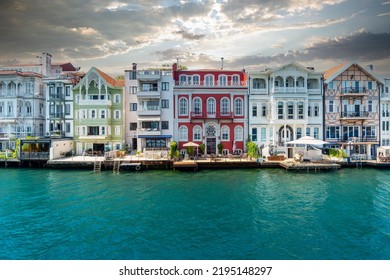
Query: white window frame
{"x": 183, "y": 106}
{"x": 225, "y": 133}
{"x": 183, "y": 133}
{"x": 238, "y": 106}
{"x": 238, "y": 133}
{"x": 197, "y": 133}
{"x": 117, "y": 114}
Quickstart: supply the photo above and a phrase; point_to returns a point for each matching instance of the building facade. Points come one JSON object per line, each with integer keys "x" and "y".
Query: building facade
{"x": 385, "y": 113}
{"x": 211, "y": 107}
{"x": 59, "y": 97}
{"x": 352, "y": 105}
{"x": 149, "y": 111}
{"x": 22, "y": 106}
{"x": 285, "y": 104}
{"x": 98, "y": 113}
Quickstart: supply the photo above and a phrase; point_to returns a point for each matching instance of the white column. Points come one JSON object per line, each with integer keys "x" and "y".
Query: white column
{"x": 273, "y": 134}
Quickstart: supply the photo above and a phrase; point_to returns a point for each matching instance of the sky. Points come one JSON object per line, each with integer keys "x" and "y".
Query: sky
{"x": 248, "y": 34}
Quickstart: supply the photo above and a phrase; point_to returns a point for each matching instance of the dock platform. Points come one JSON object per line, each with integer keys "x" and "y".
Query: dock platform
{"x": 309, "y": 166}
{"x": 185, "y": 165}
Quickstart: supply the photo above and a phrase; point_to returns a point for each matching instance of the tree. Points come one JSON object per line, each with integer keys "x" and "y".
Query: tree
{"x": 120, "y": 77}
{"x": 173, "y": 149}
{"x": 253, "y": 149}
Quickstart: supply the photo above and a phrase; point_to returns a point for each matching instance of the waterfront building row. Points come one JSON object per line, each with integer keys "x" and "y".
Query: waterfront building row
{"x": 347, "y": 106}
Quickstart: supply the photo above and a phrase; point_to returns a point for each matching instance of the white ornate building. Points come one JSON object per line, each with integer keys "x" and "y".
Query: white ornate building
{"x": 285, "y": 104}
{"x": 385, "y": 114}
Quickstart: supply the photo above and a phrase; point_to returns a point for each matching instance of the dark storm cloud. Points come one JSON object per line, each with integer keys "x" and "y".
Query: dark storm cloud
{"x": 360, "y": 46}
{"x": 61, "y": 27}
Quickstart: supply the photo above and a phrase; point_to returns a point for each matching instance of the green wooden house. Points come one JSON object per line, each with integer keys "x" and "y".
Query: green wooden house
{"x": 98, "y": 114}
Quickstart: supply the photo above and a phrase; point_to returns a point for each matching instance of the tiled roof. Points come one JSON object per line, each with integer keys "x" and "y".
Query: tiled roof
{"x": 23, "y": 74}
{"x": 110, "y": 80}
{"x": 328, "y": 73}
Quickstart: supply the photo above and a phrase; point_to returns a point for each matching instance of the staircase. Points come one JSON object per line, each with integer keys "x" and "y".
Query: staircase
{"x": 117, "y": 164}
{"x": 97, "y": 166}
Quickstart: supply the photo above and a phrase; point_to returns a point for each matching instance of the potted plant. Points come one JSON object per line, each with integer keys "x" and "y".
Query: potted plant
{"x": 202, "y": 148}
{"x": 173, "y": 149}
{"x": 220, "y": 148}
{"x": 252, "y": 149}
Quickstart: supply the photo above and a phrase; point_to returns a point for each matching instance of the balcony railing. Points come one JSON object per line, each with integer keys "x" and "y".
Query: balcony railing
{"x": 212, "y": 115}
{"x": 347, "y": 139}
{"x": 57, "y": 115}
{"x": 210, "y": 84}
{"x": 57, "y": 96}
{"x": 354, "y": 114}
{"x": 93, "y": 102}
{"x": 354, "y": 90}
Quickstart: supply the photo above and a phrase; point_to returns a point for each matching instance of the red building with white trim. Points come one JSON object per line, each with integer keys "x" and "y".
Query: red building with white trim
{"x": 211, "y": 107}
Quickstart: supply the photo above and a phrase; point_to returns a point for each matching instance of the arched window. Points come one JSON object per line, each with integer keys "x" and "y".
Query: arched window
{"x": 278, "y": 82}
{"x": 183, "y": 106}
{"x": 211, "y": 108}
{"x": 197, "y": 106}
{"x": 290, "y": 82}
{"x": 235, "y": 80}
{"x": 300, "y": 82}
{"x": 195, "y": 80}
{"x": 197, "y": 132}
{"x": 238, "y": 109}
{"x": 28, "y": 108}
{"x": 238, "y": 133}
{"x": 225, "y": 106}
{"x": 209, "y": 80}
{"x": 183, "y": 133}
{"x": 225, "y": 133}
{"x": 222, "y": 80}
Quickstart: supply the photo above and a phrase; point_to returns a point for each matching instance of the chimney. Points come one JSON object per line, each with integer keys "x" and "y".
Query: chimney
{"x": 371, "y": 67}
{"x": 134, "y": 66}
{"x": 174, "y": 67}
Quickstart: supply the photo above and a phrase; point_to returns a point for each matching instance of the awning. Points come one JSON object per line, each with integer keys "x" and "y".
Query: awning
{"x": 155, "y": 136}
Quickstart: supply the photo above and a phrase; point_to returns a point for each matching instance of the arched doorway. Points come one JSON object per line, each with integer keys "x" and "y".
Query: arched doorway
{"x": 211, "y": 139}
{"x": 285, "y": 134}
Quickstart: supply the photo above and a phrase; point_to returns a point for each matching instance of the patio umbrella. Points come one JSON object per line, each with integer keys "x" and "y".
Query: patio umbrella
{"x": 192, "y": 144}
{"x": 234, "y": 146}
{"x": 308, "y": 140}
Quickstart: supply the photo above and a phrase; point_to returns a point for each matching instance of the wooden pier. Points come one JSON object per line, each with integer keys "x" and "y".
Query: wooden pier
{"x": 192, "y": 165}
{"x": 309, "y": 166}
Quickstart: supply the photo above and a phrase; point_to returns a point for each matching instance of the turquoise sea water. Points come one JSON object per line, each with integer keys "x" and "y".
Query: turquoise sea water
{"x": 227, "y": 214}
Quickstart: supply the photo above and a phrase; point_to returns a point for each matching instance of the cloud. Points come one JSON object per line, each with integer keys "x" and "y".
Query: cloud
{"x": 358, "y": 46}
{"x": 189, "y": 36}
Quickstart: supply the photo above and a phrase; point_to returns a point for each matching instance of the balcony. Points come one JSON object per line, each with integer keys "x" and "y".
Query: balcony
{"x": 355, "y": 140}
{"x": 151, "y": 92}
{"x": 385, "y": 97}
{"x": 89, "y": 102}
{"x": 149, "y": 131}
{"x": 148, "y": 75}
{"x": 354, "y": 115}
{"x": 212, "y": 115}
{"x": 57, "y": 115}
{"x": 57, "y": 96}
{"x": 355, "y": 91}
{"x": 149, "y": 111}
{"x": 210, "y": 84}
